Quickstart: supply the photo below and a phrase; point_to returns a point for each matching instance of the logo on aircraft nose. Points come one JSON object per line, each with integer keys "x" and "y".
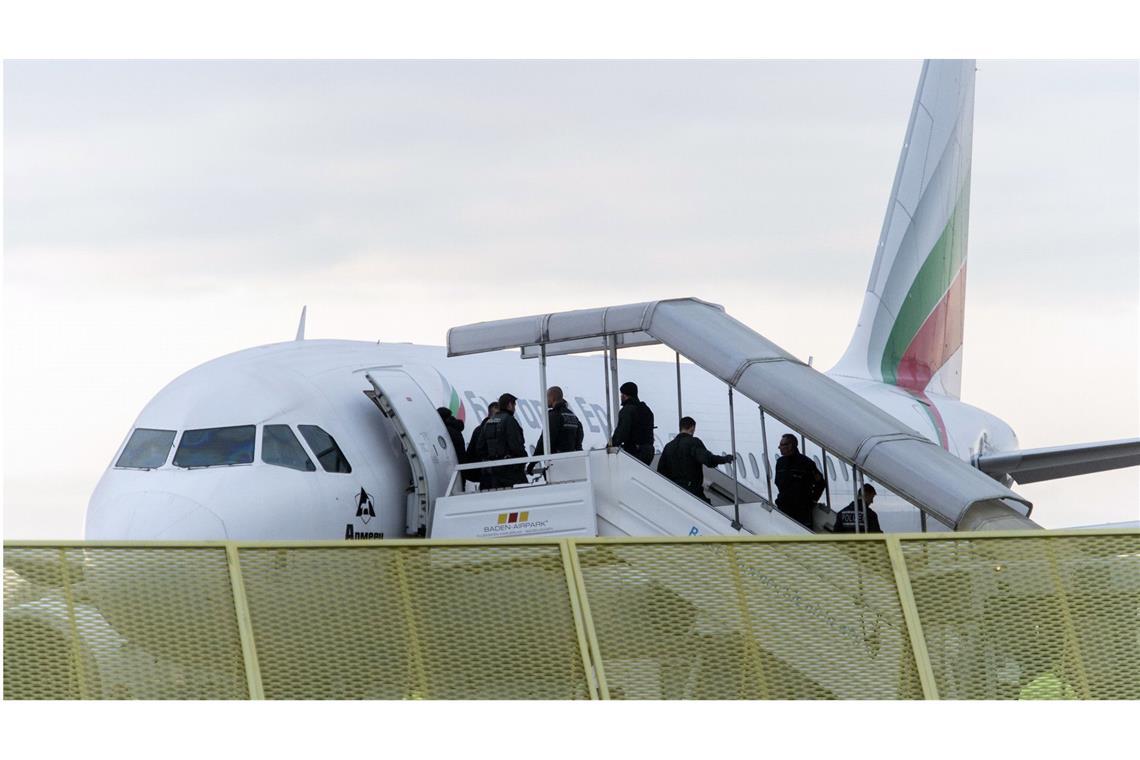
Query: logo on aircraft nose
{"x": 364, "y": 508}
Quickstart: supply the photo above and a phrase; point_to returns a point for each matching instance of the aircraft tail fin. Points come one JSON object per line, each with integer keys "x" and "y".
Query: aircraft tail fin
{"x": 910, "y": 328}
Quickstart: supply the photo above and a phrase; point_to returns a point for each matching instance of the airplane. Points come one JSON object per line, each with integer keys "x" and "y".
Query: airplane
{"x": 285, "y": 441}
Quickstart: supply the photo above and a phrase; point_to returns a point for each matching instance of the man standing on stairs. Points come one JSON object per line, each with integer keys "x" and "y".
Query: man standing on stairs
{"x": 503, "y": 437}
{"x": 477, "y": 449}
{"x": 800, "y": 482}
{"x": 634, "y": 431}
{"x": 565, "y": 427}
{"x": 684, "y": 458}
{"x": 851, "y": 519}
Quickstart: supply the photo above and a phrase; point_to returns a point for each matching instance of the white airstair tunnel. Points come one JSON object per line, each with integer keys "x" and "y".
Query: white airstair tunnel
{"x": 607, "y": 492}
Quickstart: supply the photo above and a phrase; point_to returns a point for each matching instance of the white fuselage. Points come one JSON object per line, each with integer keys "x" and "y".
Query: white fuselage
{"x": 322, "y": 382}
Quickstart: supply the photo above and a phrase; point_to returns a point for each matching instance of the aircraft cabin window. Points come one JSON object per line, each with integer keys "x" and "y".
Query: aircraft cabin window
{"x": 146, "y": 449}
{"x": 755, "y": 468}
{"x": 324, "y": 446}
{"x": 281, "y": 448}
{"x": 216, "y": 447}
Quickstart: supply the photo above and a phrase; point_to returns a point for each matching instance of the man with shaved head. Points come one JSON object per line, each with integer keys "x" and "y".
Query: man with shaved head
{"x": 566, "y": 431}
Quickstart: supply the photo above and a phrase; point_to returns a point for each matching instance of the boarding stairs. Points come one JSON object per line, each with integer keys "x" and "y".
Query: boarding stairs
{"x": 600, "y": 492}
{"x": 874, "y": 444}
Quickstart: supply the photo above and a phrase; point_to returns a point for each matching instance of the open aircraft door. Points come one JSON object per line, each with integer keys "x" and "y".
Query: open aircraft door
{"x": 423, "y": 436}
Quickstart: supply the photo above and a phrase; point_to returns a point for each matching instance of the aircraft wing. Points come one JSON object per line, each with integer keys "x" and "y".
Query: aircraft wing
{"x": 1033, "y": 465}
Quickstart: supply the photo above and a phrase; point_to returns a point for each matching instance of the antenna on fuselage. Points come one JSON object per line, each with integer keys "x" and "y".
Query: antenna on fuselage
{"x": 301, "y": 324}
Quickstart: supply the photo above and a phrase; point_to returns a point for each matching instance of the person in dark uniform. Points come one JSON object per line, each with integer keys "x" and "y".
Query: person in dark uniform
{"x": 634, "y": 431}
{"x": 684, "y": 458}
{"x": 477, "y": 447}
{"x": 454, "y": 427}
{"x": 848, "y": 518}
{"x": 800, "y": 482}
{"x": 565, "y": 427}
{"x": 503, "y": 437}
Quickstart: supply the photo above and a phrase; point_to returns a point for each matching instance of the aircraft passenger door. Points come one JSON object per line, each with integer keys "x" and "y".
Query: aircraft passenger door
{"x": 424, "y": 438}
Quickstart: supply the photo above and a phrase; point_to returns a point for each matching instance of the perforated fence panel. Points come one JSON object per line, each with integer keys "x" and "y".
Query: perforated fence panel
{"x": 429, "y": 622}
{"x": 736, "y": 620}
{"x": 990, "y": 616}
{"x": 120, "y": 623}
{"x": 1032, "y": 617}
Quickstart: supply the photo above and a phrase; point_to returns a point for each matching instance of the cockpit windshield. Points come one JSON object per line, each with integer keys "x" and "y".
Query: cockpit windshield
{"x": 146, "y": 449}
{"x": 324, "y": 446}
{"x": 214, "y": 447}
{"x": 281, "y": 448}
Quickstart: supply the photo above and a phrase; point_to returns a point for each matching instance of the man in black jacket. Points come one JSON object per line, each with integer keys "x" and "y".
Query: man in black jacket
{"x": 565, "y": 427}
{"x": 848, "y": 519}
{"x": 799, "y": 480}
{"x": 477, "y": 448}
{"x": 684, "y": 458}
{"x": 634, "y": 431}
{"x": 503, "y": 437}
{"x": 454, "y": 431}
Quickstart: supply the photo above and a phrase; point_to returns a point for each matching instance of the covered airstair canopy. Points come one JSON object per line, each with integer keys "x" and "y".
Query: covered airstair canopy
{"x": 895, "y": 455}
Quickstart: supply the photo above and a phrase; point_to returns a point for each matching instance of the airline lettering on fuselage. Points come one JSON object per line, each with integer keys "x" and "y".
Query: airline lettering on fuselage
{"x": 587, "y": 414}
{"x": 528, "y": 411}
{"x": 350, "y": 534}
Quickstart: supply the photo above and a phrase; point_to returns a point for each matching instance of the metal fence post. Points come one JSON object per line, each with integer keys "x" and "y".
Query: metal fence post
{"x": 407, "y": 609}
{"x": 566, "y": 548}
{"x": 76, "y": 649}
{"x": 244, "y": 623}
{"x": 754, "y": 653}
{"x": 1070, "y": 637}
{"x": 913, "y": 622}
{"x": 588, "y": 620}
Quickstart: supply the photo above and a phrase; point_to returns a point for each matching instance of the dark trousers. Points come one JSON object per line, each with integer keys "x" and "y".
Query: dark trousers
{"x": 801, "y": 513}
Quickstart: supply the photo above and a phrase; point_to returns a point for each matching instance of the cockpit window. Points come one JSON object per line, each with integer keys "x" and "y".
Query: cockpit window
{"x": 280, "y": 447}
{"x": 147, "y": 449}
{"x": 214, "y": 447}
{"x": 324, "y": 446}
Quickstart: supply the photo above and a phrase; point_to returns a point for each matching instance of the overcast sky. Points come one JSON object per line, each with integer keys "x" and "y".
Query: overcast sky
{"x": 160, "y": 214}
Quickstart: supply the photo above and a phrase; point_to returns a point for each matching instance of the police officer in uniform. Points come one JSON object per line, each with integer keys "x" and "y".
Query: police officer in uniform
{"x": 503, "y": 437}
{"x": 477, "y": 448}
{"x": 634, "y": 431}
{"x": 799, "y": 480}
{"x": 565, "y": 428}
{"x": 684, "y": 458}
{"x": 848, "y": 518}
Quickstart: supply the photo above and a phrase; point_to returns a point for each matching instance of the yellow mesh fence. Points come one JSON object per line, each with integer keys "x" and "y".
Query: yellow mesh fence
{"x": 960, "y": 617}
{"x": 1033, "y": 617}
{"x": 780, "y": 620}
{"x": 427, "y": 622}
{"x": 120, "y": 623}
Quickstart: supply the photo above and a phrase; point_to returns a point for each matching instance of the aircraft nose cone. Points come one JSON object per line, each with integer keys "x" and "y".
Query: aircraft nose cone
{"x": 153, "y": 516}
